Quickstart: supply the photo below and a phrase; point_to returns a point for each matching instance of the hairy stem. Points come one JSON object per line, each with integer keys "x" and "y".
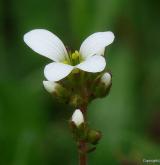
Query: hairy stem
{"x": 82, "y": 144}
{"x": 82, "y": 153}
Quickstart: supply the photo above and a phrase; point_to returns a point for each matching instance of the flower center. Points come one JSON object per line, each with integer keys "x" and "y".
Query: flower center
{"x": 74, "y": 58}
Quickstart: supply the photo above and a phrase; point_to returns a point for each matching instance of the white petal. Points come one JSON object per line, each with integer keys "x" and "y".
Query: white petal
{"x": 50, "y": 86}
{"x": 57, "y": 71}
{"x": 77, "y": 117}
{"x": 46, "y": 43}
{"x": 93, "y": 64}
{"x": 96, "y": 43}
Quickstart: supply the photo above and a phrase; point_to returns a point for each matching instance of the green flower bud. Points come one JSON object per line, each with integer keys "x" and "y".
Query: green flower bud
{"x": 57, "y": 90}
{"x": 94, "y": 136}
{"x": 102, "y": 85}
{"x": 78, "y": 126}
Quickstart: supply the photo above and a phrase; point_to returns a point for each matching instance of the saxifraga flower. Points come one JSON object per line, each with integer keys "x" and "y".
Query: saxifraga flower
{"x": 89, "y": 58}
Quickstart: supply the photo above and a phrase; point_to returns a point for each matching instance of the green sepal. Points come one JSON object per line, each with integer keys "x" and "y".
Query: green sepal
{"x": 61, "y": 94}
{"x": 79, "y": 132}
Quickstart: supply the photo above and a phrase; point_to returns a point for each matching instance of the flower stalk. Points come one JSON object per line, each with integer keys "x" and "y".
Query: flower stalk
{"x": 82, "y": 146}
{"x": 82, "y": 153}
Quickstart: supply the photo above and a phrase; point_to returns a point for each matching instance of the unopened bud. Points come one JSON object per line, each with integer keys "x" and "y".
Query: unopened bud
{"x": 57, "y": 90}
{"x": 102, "y": 85}
{"x": 77, "y": 117}
{"x": 106, "y": 79}
{"x": 94, "y": 136}
{"x": 50, "y": 86}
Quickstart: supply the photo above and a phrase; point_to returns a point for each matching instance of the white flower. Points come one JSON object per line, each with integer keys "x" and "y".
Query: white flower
{"x": 77, "y": 117}
{"x": 50, "y": 86}
{"x": 88, "y": 58}
{"x": 106, "y": 79}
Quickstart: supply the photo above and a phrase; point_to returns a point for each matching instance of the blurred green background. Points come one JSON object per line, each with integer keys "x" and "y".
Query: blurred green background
{"x": 33, "y": 126}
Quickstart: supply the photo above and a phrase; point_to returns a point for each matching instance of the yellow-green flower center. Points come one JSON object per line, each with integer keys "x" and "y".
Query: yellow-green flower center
{"x": 75, "y": 55}
{"x": 74, "y": 58}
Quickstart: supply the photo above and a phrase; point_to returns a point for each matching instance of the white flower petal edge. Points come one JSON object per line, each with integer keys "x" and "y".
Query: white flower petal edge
{"x": 46, "y": 43}
{"x": 77, "y": 117}
{"x": 96, "y": 43}
{"x": 93, "y": 64}
{"x": 56, "y": 71}
{"x": 50, "y": 86}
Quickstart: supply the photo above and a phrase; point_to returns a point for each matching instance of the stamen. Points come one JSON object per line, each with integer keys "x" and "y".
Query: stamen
{"x": 75, "y": 55}
{"x": 75, "y": 58}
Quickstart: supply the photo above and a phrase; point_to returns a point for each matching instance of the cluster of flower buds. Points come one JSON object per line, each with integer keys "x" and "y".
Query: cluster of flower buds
{"x": 81, "y": 130}
{"x": 79, "y": 85}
